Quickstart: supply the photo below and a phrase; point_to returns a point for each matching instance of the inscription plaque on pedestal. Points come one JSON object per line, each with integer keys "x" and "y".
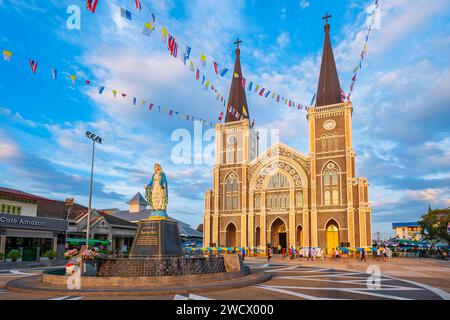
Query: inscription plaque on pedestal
{"x": 156, "y": 237}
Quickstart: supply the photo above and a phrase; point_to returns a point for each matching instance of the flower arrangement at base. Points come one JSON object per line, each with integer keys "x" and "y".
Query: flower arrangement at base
{"x": 71, "y": 268}
{"x": 88, "y": 254}
{"x": 70, "y": 254}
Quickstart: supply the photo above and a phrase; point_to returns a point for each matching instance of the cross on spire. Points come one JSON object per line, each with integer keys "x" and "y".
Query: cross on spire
{"x": 327, "y": 16}
{"x": 237, "y": 42}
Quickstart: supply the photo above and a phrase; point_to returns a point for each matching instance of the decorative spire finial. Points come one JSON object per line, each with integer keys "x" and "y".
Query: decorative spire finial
{"x": 237, "y": 42}
{"x": 326, "y": 17}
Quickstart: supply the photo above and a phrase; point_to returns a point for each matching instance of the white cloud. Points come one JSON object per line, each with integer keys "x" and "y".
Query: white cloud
{"x": 304, "y": 4}
{"x": 283, "y": 39}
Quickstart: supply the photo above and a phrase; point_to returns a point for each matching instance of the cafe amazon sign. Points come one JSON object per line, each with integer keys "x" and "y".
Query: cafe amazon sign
{"x": 24, "y": 222}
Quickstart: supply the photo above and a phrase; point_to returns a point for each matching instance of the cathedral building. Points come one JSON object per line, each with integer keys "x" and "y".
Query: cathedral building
{"x": 281, "y": 196}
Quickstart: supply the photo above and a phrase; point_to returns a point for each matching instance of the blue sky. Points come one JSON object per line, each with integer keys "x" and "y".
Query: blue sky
{"x": 401, "y": 99}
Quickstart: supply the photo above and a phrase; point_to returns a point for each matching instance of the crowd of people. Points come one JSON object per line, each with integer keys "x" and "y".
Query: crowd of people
{"x": 317, "y": 253}
{"x": 298, "y": 253}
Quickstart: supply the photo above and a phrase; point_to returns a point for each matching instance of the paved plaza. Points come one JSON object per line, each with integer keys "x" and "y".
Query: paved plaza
{"x": 401, "y": 279}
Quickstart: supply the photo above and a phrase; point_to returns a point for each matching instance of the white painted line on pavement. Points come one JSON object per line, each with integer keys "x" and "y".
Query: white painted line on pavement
{"x": 292, "y": 293}
{"x": 75, "y": 298}
{"x": 180, "y": 297}
{"x": 21, "y": 273}
{"x": 59, "y": 298}
{"x": 348, "y": 289}
{"x": 196, "y": 297}
{"x": 282, "y": 269}
{"x": 378, "y": 295}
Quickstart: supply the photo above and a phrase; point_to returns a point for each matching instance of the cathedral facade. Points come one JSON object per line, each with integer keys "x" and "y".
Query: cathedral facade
{"x": 283, "y": 197}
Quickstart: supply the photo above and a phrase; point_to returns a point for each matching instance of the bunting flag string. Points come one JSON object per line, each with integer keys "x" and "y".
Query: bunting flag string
{"x": 173, "y": 46}
{"x": 363, "y": 52}
{"x": 115, "y": 92}
{"x": 91, "y": 5}
{"x": 151, "y": 26}
{"x": 33, "y": 65}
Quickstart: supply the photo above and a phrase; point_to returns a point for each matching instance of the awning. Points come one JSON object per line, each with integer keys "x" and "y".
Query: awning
{"x": 92, "y": 242}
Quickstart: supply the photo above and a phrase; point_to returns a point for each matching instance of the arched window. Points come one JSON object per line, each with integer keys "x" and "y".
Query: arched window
{"x": 235, "y": 186}
{"x": 258, "y": 202}
{"x": 334, "y": 178}
{"x": 278, "y": 181}
{"x": 326, "y": 178}
{"x": 299, "y": 199}
{"x": 285, "y": 201}
{"x": 230, "y": 155}
{"x": 228, "y": 203}
{"x": 235, "y": 202}
{"x": 278, "y": 201}
{"x": 228, "y": 186}
{"x": 335, "y": 196}
{"x": 231, "y": 192}
{"x": 327, "y": 198}
{"x": 324, "y": 143}
{"x": 330, "y": 186}
{"x": 330, "y": 143}
{"x": 336, "y": 141}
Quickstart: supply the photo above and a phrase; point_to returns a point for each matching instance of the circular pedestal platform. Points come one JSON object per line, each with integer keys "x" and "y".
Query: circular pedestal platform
{"x": 137, "y": 286}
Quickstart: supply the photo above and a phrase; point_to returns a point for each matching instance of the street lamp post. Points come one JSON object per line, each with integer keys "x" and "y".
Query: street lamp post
{"x": 94, "y": 139}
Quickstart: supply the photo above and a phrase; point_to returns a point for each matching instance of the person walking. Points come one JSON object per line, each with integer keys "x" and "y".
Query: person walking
{"x": 269, "y": 254}
{"x": 283, "y": 253}
{"x": 363, "y": 256}
{"x": 378, "y": 254}
{"x": 384, "y": 252}
{"x": 243, "y": 253}
{"x": 337, "y": 254}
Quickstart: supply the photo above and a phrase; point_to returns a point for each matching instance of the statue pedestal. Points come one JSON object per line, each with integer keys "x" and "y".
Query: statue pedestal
{"x": 156, "y": 237}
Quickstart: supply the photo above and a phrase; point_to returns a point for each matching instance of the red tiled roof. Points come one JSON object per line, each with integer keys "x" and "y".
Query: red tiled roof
{"x": 21, "y": 194}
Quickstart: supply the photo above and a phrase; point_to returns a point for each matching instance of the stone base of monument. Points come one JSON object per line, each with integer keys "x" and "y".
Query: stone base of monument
{"x": 156, "y": 237}
{"x": 161, "y": 266}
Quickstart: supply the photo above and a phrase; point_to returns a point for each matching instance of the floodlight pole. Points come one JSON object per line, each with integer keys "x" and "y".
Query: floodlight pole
{"x": 94, "y": 139}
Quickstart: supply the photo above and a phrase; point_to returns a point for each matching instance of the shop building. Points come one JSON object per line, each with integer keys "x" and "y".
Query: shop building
{"x": 22, "y": 229}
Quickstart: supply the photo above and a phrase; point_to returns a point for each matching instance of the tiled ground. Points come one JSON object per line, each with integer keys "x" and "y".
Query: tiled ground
{"x": 401, "y": 279}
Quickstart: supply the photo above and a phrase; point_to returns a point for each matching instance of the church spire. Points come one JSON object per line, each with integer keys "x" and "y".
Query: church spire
{"x": 329, "y": 88}
{"x": 237, "y": 98}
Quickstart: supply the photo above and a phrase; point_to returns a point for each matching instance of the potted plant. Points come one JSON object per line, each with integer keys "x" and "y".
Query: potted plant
{"x": 50, "y": 254}
{"x": 15, "y": 255}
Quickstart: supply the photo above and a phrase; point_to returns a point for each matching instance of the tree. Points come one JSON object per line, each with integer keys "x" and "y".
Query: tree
{"x": 434, "y": 224}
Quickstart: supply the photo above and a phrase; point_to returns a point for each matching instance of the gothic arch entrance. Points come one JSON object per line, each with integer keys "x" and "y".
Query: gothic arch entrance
{"x": 278, "y": 234}
{"x": 231, "y": 235}
{"x": 332, "y": 236}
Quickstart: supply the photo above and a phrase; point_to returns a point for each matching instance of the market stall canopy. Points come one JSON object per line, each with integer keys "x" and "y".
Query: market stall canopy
{"x": 92, "y": 242}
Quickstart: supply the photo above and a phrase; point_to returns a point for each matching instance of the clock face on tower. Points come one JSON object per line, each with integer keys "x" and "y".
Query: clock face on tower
{"x": 329, "y": 125}
{"x": 231, "y": 140}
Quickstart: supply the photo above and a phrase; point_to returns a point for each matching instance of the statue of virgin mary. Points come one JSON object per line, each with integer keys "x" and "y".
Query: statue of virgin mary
{"x": 156, "y": 192}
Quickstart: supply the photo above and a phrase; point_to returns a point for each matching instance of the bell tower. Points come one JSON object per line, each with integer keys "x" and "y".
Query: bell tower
{"x": 236, "y": 145}
{"x": 333, "y": 182}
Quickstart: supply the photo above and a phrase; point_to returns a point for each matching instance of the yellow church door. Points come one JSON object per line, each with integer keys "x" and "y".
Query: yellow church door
{"x": 332, "y": 238}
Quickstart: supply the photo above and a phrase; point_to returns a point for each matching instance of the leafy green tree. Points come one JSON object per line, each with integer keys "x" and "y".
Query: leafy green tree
{"x": 434, "y": 224}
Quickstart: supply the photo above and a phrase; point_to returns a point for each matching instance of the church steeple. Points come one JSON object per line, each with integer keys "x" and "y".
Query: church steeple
{"x": 237, "y": 98}
{"x": 329, "y": 88}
